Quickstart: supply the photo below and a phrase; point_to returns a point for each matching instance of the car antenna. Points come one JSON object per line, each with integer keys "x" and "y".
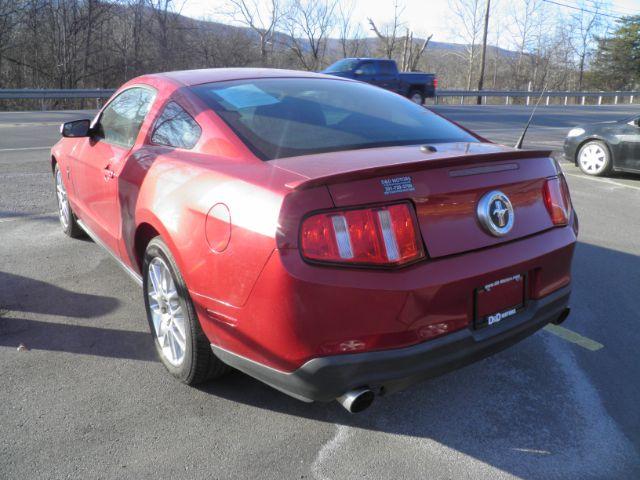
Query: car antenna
{"x": 518, "y": 144}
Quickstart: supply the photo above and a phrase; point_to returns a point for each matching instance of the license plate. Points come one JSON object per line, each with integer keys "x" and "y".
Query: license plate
{"x": 499, "y": 300}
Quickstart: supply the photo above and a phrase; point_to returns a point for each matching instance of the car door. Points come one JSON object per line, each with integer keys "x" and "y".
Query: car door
{"x": 369, "y": 73}
{"x": 630, "y": 145}
{"x": 388, "y": 77}
{"x": 102, "y": 158}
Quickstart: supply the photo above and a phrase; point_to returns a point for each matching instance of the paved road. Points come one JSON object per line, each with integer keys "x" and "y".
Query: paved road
{"x": 89, "y": 399}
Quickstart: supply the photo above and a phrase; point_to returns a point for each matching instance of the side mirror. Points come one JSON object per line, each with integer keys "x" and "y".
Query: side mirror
{"x": 358, "y": 72}
{"x": 75, "y": 129}
{"x": 636, "y": 122}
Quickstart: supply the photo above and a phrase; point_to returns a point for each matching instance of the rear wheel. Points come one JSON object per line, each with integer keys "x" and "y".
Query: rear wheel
{"x": 180, "y": 342}
{"x": 594, "y": 158}
{"x": 65, "y": 214}
{"x": 416, "y": 96}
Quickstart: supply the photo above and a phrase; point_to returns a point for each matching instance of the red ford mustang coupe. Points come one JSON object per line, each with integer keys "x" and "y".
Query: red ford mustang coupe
{"x": 328, "y": 237}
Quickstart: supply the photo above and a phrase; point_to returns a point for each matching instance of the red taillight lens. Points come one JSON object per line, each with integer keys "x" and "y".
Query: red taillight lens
{"x": 370, "y": 236}
{"x": 435, "y": 82}
{"x": 557, "y": 200}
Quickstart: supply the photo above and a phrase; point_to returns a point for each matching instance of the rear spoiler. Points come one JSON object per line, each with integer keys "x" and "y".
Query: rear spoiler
{"x": 426, "y": 164}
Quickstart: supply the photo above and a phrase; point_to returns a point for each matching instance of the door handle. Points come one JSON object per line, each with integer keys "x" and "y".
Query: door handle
{"x": 108, "y": 173}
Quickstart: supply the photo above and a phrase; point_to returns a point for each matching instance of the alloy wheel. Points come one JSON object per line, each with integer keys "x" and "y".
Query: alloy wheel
{"x": 63, "y": 202}
{"x": 167, "y": 312}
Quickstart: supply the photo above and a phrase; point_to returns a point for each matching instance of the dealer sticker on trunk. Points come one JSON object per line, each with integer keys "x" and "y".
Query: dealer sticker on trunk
{"x": 397, "y": 185}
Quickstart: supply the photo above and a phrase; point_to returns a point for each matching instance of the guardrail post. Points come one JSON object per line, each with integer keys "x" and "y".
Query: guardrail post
{"x": 527, "y": 100}
{"x": 600, "y": 100}
{"x": 548, "y": 97}
{"x": 583, "y": 100}
{"x": 461, "y": 99}
{"x": 566, "y": 99}
{"x": 506, "y": 102}
{"x": 615, "y": 100}
{"x": 631, "y": 99}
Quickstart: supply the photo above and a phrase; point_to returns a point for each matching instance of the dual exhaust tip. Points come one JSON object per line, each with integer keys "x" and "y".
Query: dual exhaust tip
{"x": 356, "y": 401}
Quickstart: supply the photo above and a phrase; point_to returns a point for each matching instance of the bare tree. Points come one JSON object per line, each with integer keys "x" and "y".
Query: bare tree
{"x": 468, "y": 24}
{"x": 350, "y": 33}
{"x": 525, "y": 18}
{"x": 261, "y": 22}
{"x": 308, "y": 25}
{"x": 389, "y": 33}
{"x": 585, "y": 23}
{"x": 412, "y": 52}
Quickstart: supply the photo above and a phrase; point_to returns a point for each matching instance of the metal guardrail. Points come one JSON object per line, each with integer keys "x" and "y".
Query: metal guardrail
{"x": 47, "y": 94}
{"x": 618, "y": 97}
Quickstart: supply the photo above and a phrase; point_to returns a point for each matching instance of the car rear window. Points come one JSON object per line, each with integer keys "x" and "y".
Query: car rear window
{"x": 285, "y": 117}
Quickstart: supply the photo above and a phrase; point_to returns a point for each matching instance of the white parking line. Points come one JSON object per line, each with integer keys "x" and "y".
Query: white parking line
{"x": 23, "y": 149}
{"x": 603, "y": 180}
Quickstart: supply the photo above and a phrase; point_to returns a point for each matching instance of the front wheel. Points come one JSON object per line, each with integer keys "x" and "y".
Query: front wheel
{"x": 594, "y": 158}
{"x": 66, "y": 216}
{"x": 416, "y": 96}
{"x": 180, "y": 342}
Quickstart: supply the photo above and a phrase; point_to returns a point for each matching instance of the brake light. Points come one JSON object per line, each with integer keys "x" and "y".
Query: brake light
{"x": 385, "y": 235}
{"x": 435, "y": 82}
{"x": 557, "y": 200}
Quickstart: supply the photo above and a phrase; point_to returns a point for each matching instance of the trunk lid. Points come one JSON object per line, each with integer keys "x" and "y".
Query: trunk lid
{"x": 444, "y": 185}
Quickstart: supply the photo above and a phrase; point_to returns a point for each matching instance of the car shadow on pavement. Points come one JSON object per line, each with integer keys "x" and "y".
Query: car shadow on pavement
{"x": 21, "y": 295}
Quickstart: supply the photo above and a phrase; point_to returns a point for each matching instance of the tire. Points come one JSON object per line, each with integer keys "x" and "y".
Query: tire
{"x": 416, "y": 96}
{"x": 594, "y": 158}
{"x": 180, "y": 342}
{"x": 68, "y": 220}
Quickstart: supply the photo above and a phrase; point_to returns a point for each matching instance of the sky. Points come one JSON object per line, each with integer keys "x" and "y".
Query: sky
{"x": 422, "y": 16}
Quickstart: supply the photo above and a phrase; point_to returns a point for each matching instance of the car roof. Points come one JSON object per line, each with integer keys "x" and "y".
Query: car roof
{"x": 198, "y": 77}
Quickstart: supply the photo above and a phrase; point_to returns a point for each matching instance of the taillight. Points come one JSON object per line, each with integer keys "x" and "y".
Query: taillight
{"x": 385, "y": 235}
{"x": 557, "y": 200}
{"x": 435, "y": 82}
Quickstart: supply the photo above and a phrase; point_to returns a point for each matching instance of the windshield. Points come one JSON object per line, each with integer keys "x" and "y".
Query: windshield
{"x": 285, "y": 117}
{"x": 345, "y": 65}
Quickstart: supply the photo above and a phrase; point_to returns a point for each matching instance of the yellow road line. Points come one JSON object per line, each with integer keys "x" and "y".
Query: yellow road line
{"x": 573, "y": 337}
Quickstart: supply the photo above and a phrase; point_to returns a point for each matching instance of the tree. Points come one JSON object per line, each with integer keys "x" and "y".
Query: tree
{"x": 468, "y": 25}
{"x": 483, "y": 54}
{"x": 308, "y": 25}
{"x": 388, "y": 34}
{"x": 262, "y": 22}
{"x": 350, "y": 33}
{"x": 584, "y": 25}
{"x": 617, "y": 60}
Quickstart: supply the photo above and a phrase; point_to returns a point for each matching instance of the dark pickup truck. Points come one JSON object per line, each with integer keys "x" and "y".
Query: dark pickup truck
{"x": 384, "y": 73}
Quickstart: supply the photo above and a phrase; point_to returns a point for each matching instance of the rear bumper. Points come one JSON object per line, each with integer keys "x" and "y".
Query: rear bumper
{"x": 325, "y": 378}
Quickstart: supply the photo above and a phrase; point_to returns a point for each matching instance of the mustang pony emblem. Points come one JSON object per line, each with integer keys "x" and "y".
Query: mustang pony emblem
{"x": 495, "y": 213}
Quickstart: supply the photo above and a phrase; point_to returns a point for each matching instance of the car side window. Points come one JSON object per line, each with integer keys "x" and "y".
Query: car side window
{"x": 176, "y": 128}
{"x": 121, "y": 120}
{"x": 368, "y": 68}
{"x": 386, "y": 68}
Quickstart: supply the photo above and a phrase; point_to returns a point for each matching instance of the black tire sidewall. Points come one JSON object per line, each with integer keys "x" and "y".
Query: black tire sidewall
{"x": 607, "y": 167}
{"x": 184, "y": 371}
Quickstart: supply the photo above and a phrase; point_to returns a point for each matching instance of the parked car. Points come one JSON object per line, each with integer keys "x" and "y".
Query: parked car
{"x": 327, "y": 237}
{"x": 384, "y": 73}
{"x": 605, "y": 147}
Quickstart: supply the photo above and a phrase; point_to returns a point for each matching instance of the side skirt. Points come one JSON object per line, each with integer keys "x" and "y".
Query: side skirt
{"x": 137, "y": 278}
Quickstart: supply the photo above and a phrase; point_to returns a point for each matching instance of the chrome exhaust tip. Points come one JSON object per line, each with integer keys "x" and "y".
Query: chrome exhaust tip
{"x": 562, "y": 317}
{"x": 356, "y": 401}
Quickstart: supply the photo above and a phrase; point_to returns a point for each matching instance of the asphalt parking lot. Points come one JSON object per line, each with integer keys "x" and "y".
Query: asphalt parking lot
{"x": 88, "y": 399}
